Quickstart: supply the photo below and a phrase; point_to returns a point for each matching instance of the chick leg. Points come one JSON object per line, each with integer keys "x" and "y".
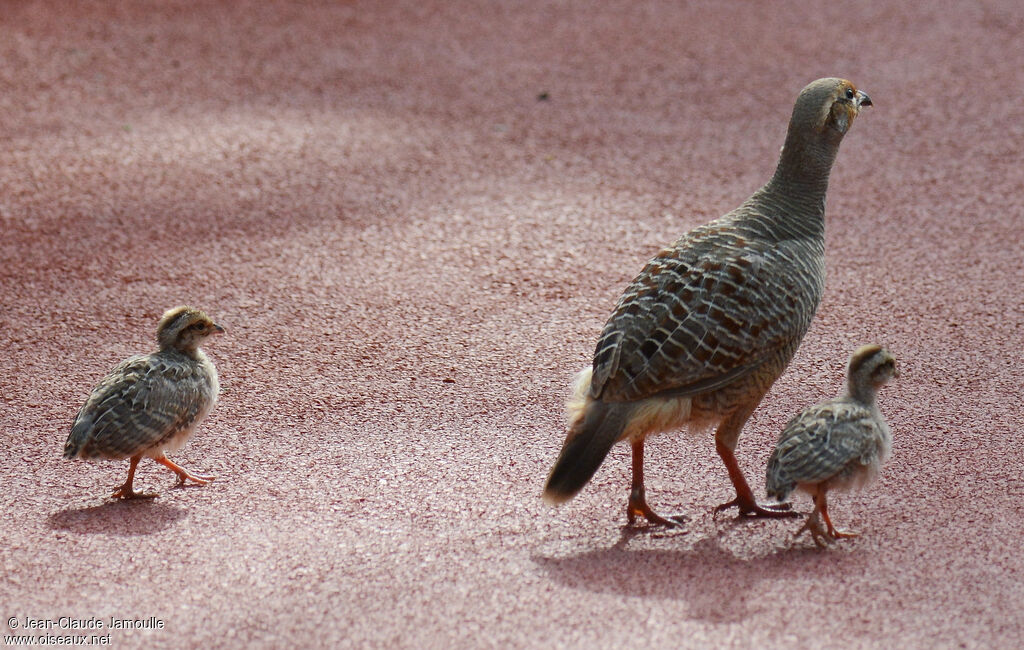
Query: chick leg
{"x": 126, "y": 491}
{"x": 726, "y": 437}
{"x": 638, "y": 497}
{"x": 813, "y": 526}
{"x": 823, "y": 506}
{"x": 182, "y": 473}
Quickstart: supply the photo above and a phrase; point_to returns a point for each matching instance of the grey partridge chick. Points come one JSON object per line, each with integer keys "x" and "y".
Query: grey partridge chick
{"x": 711, "y": 322}
{"x": 838, "y": 444}
{"x": 151, "y": 404}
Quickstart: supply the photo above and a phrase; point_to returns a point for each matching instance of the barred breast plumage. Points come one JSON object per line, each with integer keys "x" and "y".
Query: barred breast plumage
{"x": 709, "y": 324}
{"x": 838, "y": 444}
{"x": 151, "y": 404}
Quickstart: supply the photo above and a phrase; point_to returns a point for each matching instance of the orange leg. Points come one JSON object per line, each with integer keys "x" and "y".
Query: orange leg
{"x": 638, "y": 496}
{"x": 813, "y": 526}
{"x": 182, "y": 473}
{"x": 823, "y": 506}
{"x": 745, "y": 500}
{"x": 126, "y": 491}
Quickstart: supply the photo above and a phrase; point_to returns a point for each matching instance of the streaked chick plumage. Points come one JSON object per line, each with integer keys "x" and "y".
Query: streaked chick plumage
{"x": 151, "y": 404}
{"x": 699, "y": 337}
{"x": 838, "y": 444}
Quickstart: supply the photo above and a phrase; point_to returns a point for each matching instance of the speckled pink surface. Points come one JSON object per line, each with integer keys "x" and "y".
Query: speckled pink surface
{"x": 413, "y": 254}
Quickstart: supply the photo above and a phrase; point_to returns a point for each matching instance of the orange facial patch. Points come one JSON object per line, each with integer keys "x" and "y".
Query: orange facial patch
{"x": 840, "y": 111}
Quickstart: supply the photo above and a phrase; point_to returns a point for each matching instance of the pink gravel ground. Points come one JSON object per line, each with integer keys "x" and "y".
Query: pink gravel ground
{"x": 413, "y": 254}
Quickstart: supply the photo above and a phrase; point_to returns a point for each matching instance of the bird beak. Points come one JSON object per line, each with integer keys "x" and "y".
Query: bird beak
{"x": 217, "y": 329}
{"x": 863, "y": 99}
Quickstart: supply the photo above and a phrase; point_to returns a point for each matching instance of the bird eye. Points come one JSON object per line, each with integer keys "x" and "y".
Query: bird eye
{"x": 849, "y": 93}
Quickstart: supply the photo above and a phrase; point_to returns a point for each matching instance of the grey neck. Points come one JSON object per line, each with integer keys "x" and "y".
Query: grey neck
{"x": 179, "y": 347}
{"x": 863, "y": 394}
{"x": 805, "y": 164}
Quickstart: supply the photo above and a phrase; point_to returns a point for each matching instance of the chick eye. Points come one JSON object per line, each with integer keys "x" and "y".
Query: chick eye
{"x": 849, "y": 93}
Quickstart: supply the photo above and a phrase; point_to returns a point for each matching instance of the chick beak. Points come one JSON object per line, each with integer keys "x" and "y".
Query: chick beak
{"x": 217, "y": 329}
{"x": 863, "y": 99}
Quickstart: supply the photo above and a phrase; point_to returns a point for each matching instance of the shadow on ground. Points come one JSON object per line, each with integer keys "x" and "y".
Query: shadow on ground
{"x": 122, "y": 518}
{"x": 717, "y": 585}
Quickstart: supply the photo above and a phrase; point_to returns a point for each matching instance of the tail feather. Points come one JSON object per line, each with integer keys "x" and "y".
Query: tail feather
{"x": 592, "y": 435}
{"x": 778, "y": 484}
{"x": 78, "y": 437}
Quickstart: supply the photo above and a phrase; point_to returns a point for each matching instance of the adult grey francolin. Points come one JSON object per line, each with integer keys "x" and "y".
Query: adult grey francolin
{"x": 838, "y": 444}
{"x": 151, "y": 404}
{"x": 711, "y": 322}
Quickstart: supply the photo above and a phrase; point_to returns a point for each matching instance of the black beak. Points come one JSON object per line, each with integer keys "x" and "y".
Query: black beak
{"x": 863, "y": 99}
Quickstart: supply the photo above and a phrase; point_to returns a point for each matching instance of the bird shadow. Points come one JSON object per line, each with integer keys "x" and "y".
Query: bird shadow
{"x": 122, "y": 518}
{"x": 717, "y": 585}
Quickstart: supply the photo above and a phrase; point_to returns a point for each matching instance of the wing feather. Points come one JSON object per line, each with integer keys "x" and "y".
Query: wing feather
{"x": 827, "y": 440}
{"x": 142, "y": 402}
{"x": 704, "y": 313}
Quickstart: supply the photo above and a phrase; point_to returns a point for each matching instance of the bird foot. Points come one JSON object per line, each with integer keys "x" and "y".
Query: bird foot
{"x": 126, "y": 492}
{"x": 183, "y": 474}
{"x": 842, "y": 534}
{"x": 822, "y": 538}
{"x": 198, "y": 479}
{"x": 638, "y": 508}
{"x": 750, "y": 508}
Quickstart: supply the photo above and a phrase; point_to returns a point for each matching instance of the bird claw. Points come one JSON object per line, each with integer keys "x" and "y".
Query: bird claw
{"x": 639, "y": 508}
{"x": 183, "y": 474}
{"x": 126, "y": 492}
{"x": 822, "y": 536}
{"x": 653, "y": 518}
{"x": 842, "y": 534}
{"x": 750, "y": 508}
{"x": 198, "y": 479}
